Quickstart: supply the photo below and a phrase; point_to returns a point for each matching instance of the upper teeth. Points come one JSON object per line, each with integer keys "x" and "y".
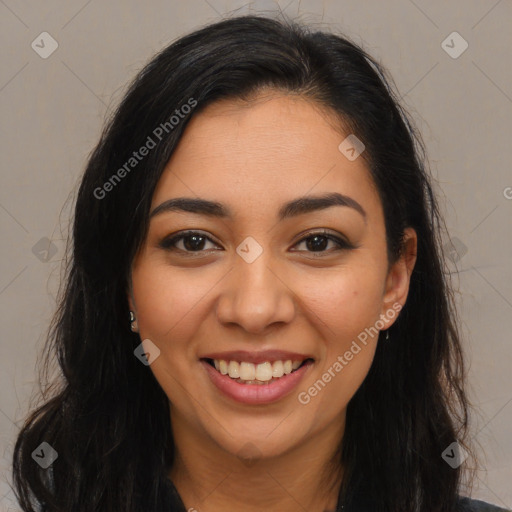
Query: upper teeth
{"x": 249, "y": 371}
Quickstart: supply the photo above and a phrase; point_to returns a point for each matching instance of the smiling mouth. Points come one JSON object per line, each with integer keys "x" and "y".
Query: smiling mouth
{"x": 263, "y": 373}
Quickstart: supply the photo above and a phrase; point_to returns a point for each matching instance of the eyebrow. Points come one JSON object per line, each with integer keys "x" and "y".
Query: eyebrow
{"x": 292, "y": 208}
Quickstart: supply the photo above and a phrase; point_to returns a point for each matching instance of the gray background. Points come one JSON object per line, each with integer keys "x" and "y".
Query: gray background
{"x": 53, "y": 110}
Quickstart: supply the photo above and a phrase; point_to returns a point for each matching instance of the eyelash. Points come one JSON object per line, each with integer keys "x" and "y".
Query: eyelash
{"x": 169, "y": 243}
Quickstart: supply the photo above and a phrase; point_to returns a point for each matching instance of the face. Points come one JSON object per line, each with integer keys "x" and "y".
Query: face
{"x": 263, "y": 284}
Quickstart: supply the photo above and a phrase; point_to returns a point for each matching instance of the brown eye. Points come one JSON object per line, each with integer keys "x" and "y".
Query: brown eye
{"x": 193, "y": 241}
{"x": 317, "y": 242}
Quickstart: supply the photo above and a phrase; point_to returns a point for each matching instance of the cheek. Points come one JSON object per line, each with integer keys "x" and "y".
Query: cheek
{"x": 347, "y": 304}
{"x": 346, "y": 301}
{"x": 166, "y": 301}
{"x": 169, "y": 306}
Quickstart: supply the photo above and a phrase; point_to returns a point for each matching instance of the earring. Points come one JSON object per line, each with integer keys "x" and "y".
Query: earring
{"x": 133, "y": 322}
{"x": 387, "y": 335}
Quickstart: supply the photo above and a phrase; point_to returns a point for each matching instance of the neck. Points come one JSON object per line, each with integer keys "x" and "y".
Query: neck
{"x": 211, "y": 479}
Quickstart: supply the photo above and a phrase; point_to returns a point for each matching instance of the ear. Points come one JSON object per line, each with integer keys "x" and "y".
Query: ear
{"x": 399, "y": 276}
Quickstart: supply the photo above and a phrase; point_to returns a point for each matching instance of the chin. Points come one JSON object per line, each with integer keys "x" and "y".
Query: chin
{"x": 258, "y": 443}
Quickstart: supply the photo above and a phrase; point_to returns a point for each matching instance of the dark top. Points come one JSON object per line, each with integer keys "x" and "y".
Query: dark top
{"x": 360, "y": 504}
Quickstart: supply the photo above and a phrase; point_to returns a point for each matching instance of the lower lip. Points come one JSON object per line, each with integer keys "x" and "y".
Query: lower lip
{"x": 257, "y": 393}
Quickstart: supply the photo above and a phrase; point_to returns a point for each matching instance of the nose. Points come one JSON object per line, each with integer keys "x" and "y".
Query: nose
{"x": 256, "y": 296}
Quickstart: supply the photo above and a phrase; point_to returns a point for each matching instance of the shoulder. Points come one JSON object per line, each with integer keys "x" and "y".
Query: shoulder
{"x": 469, "y": 505}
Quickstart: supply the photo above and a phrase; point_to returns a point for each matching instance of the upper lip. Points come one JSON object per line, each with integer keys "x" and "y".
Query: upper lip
{"x": 257, "y": 357}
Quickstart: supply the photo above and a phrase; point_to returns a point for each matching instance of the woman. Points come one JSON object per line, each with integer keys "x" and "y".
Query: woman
{"x": 255, "y": 314}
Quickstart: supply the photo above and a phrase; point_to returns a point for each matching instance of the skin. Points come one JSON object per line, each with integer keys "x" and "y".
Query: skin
{"x": 253, "y": 157}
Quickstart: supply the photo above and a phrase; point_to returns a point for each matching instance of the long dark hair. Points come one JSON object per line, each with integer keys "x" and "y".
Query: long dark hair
{"x": 108, "y": 418}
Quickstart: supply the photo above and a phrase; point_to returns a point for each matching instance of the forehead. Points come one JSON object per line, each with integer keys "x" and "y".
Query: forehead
{"x": 273, "y": 147}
